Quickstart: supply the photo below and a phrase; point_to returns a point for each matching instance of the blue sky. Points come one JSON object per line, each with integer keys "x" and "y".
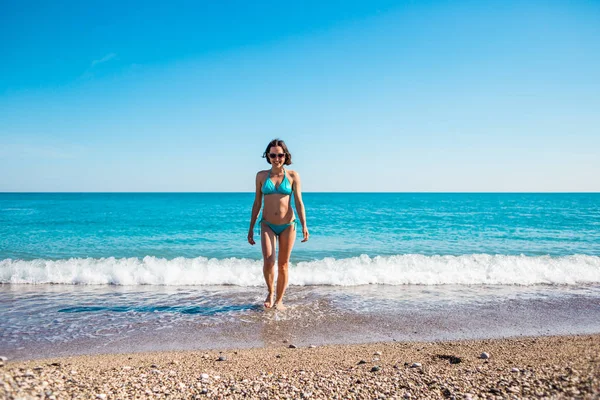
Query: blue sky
{"x": 370, "y": 96}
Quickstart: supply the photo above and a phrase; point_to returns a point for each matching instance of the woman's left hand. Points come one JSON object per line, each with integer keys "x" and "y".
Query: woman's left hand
{"x": 305, "y": 234}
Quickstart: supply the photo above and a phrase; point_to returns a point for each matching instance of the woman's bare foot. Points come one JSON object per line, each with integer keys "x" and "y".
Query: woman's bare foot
{"x": 279, "y": 306}
{"x": 269, "y": 301}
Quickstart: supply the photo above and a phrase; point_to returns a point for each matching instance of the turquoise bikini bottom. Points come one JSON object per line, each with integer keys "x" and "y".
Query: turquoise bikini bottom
{"x": 278, "y": 229}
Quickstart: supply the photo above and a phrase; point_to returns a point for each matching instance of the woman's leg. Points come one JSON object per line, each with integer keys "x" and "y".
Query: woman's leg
{"x": 268, "y": 241}
{"x": 286, "y": 243}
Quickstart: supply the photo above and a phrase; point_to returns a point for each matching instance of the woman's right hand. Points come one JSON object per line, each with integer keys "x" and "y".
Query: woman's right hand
{"x": 251, "y": 237}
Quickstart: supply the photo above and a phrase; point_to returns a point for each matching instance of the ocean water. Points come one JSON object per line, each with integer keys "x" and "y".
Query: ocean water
{"x": 94, "y": 272}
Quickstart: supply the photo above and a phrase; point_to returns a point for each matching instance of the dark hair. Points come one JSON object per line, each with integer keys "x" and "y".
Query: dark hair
{"x": 280, "y": 143}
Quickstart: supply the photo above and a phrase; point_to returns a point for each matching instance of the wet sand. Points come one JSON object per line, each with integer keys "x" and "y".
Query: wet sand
{"x": 550, "y": 367}
{"x": 37, "y": 325}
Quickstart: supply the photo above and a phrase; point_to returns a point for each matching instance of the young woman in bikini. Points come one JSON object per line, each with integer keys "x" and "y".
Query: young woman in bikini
{"x": 278, "y": 222}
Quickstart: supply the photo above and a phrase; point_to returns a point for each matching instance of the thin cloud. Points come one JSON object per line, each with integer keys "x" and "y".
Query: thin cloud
{"x": 104, "y": 59}
{"x": 89, "y": 72}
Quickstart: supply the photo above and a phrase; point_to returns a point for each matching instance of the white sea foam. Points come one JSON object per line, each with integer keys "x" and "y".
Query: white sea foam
{"x": 390, "y": 270}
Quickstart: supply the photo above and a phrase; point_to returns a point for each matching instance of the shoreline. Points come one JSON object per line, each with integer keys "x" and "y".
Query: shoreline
{"x": 535, "y": 366}
{"x": 49, "y": 322}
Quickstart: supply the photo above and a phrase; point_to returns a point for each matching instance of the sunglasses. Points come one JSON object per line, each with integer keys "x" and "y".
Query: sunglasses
{"x": 273, "y": 155}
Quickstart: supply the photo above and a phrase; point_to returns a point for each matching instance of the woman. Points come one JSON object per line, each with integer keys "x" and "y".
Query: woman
{"x": 278, "y": 222}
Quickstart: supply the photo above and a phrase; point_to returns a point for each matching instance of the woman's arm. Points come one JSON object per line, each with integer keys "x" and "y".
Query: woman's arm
{"x": 300, "y": 205}
{"x": 255, "y": 209}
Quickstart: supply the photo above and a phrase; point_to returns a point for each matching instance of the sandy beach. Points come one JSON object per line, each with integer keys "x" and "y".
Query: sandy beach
{"x": 545, "y": 367}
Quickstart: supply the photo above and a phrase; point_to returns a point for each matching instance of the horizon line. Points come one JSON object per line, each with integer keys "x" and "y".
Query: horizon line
{"x": 304, "y": 192}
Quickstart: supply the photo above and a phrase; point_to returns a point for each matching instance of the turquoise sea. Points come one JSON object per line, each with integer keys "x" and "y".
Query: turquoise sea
{"x": 94, "y": 272}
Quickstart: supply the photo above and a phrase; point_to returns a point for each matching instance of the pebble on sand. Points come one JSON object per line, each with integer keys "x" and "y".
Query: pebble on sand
{"x": 484, "y": 356}
{"x": 564, "y": 368}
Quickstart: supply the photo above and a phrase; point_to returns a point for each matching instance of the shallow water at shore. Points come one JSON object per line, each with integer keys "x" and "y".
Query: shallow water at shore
{"x": 57, "y": 320}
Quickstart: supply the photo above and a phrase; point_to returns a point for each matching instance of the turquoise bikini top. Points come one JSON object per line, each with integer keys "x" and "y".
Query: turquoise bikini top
{"x": 285, "y": 187}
